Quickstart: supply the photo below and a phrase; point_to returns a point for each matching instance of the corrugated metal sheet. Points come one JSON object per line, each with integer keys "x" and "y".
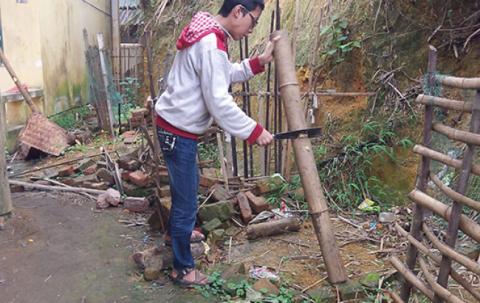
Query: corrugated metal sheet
{"x": 129, "y": 3}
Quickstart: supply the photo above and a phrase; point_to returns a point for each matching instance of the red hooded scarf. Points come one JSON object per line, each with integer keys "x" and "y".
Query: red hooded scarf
{"x": 201, "y": 25}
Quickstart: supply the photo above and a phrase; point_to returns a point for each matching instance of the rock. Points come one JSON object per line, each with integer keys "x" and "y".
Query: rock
{"x": 66, "y": 171}
{"x": 266, "y": 287}
{"x": 216, "y": 236}
{"x": 128, "y": 163}
{"x": 111, "y": 197}
{"x": 234, "y": 270}
{"x": 258, "y": 204}
{"x": 139, "y": 178}
{"x": 81, "y": 181}
{"x": 136, "y": 204}
{"x": 16, "y": 188}
{"x": 153, "y": 269}
{"x": 211, "y": 225}
{"x": 102, "y": 164}
{"x": 50, "y": 173}
{"x": 106, "y": 176}
{"x": 245, "y": 210}
{"x": 96, "y": 185}
{"x": 370, "y": 280}
{"x": 102, "y": 202}
{"x": 135, "y": 191}
{"x": 323, "y": 294}
{"x": 220, "y": 193}
{"x": 221, "y": 210}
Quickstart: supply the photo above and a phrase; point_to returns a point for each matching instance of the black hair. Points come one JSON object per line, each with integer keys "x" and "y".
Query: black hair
{"x": 250, "y": 5}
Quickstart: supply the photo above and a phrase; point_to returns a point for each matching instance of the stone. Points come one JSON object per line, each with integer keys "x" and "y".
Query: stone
{"x": 114, "y": 197}
{"x": 16, "y": 188}
{"x": 233, "y": 270}
{"x": 220, "y": 193}
{"x": 351, "y": 290}
{"x": 102, "y": 164}
{"x": 136, "y": 204}
{"x": 102, "y": 202}
{"x": 245, "y": 210}
{"x": 221, "y": 210}
{"x": 210, "y": 172}
{"x": 128, "y": 163}
{"x": 266, "y": 287}
{"x": 130, "y": 140}
{"x": 90, "y": 170}
{"x": 258, "y": 204}
{"x": 139, "y": 178}
{"x": 50, "y": 173}
{"x": 129, "y": 134}
{"x": 153, "y": 269}
{"x": 66, "y": 171}
{"x": 134, "y": 191}
{"x": 80, "y": 181}
{"x": 96, "y": 185}
{"x": 264, "y": 186}
{"x": 211, "y": 225}
{"x": 216, "y": 236}
{"x": 105, "y": 175}
{"x": 370, "y": 280}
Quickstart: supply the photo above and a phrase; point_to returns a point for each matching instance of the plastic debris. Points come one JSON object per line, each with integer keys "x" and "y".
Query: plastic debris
{"x": 263, "y": 272}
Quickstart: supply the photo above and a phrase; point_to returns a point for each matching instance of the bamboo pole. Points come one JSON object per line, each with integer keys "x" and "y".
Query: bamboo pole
{"x": 437, "y": 259}
{"x": 305, "y": 160}
{"x": 5, "y": 197}
{"x": 396, "y": 298}
{"x": 108, "y": 98}
{"x": 445, "y": 103}
{"x": 249, "y": 112}
{"x": 411, "y": 277}
{"x": 438, "y": 156}
{"x": 454, "y": 195}
{"x": 437, "y": 288}
{"x": 466, "y": 224}
{"x": 422, "y": 183}
{"x": 267, "y": 103}
{"x": 244, "y": 108}
{"x": 115, "y": 38}
{"x": 458, "y": 82}
{"x": 280, "y": 143}
{"x": 221, "y": 158}
{"x": 461, "y": 188}
{"x": 450, "y": 252}
{"x": 458, "y": 135}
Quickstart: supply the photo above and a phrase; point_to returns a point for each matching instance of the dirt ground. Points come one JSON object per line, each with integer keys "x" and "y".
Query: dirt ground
{"x": 58, "y": 248}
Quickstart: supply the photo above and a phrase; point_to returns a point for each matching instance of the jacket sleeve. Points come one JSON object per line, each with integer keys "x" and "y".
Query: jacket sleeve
{"x": 215, "y": 75}
{"x": 241, "y": 72}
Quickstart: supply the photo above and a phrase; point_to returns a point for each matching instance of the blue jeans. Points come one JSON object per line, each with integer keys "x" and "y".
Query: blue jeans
{"x": 180, "y": 155}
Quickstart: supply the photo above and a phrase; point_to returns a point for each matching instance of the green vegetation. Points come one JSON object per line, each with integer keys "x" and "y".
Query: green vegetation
{"x": 71, "y": 118}
{"x": 338, "y": 42}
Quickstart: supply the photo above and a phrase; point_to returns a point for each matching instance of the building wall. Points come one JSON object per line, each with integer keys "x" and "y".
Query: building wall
{"x": 44, "y": 43}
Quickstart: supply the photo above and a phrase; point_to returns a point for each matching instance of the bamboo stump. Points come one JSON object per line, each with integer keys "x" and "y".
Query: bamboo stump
{"x": 290, "y": 93}
{"x": 5, "y": 199}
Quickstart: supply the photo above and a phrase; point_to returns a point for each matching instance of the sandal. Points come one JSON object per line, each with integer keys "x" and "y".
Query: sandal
{"x": 195, "y": 238}
{"x": 180, "y": 280}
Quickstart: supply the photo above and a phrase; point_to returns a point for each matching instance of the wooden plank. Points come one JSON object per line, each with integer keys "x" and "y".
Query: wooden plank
{"x": 445, "y": 103}
{"x": 422, "y": 183}
{"x": 456, "y": 209}
{"x": 5, "y": 198}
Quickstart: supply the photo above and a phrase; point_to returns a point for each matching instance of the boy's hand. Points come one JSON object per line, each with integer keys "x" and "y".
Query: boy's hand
{"x": 267, "y": 55}
{"x": 265, "y": 138}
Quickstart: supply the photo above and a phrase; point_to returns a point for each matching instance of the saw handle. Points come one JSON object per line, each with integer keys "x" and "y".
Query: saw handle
{"x": 19, "y": 84}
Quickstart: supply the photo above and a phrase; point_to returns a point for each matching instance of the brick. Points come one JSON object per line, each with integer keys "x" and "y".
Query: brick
{"x": 139, "y": 178}
{"x": 220, "y": 193}
{"x": 96, "y": 185}
{"x": 84, "y": 164}
{"x": 81, "y": 180}
{"x": 66, "y": 171}
{"x": 136, "y": 204}
{"x": 129, "y": 134}
{"x": 129, "y": 164}
{"x": 221, "y": 210}
{"x": 50, "y": 173}
{"x": 106, "y": 176}
{"x": 211, "y": 225}
{"x": 216, "y": 236}
{"x": 207, "y": 181}
{"x": 245, "y": 210}
{"x": 264, "y": 186}
{"x": 90, "y": 170}
{"x": 102, "y": 164}
{"x": 266, "y": 287}
{"x": 258, "y": 204}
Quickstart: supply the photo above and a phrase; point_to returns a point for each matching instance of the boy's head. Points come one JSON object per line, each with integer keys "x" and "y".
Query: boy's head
{"x": 242, "y": 16}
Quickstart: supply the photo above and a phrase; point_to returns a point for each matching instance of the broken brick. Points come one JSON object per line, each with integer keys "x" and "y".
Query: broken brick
{"x": 207, "y": 181}
{"x": 222, "y": 210}
{"x": 136, "y": 204}
{"x": 96, "y": 185}
{"x": 129, "y": 164}
{"x": 139, "y": 178}
{"x": 245, "y": 210}
{"x": 258, "y": 204}
{"x": 90, "y": 170}
{"x": 66, "y": 171}
{"x": 220, "y": 193}
{"x": 84, "y": 164}
{"x": 105, "y": 175}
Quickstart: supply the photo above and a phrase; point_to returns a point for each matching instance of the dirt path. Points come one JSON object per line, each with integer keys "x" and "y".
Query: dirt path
{"x": 56, "y": 248}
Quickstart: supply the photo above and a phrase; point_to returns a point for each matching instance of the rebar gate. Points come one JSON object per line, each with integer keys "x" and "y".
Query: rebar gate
{"x": 436, "y": 288}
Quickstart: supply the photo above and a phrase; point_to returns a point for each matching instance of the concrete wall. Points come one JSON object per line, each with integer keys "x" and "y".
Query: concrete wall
{"x": 43, "y": 40}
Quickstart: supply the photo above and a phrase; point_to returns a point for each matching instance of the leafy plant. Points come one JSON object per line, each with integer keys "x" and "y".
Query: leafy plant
{"x": 338, "y": 43}
{"x": 69, "y": 119}
{"x": 208, "y": 152}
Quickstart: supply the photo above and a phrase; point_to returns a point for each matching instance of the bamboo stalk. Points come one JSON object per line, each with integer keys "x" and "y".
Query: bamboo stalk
{"x": 396, "y": 298}
{"x": 305, "y": 160}
{"x": 445, "y": 103}
{"x": 437, "y": 259}
{"x": 438, "y": 289}
{"x": 411, "y": 277}
{"x": 5, "y": 195}
{"x": 267, "y": 103}
{"x": 422, "y": 184}
{"x": 458, "y": 82}
{"x": 466, "y": 224}
{"x": 450, "y": 252}
{"x": 454, "y": 195}
{"x": 461, "y": 188}
{"x": 221, "y": 158}
{"x": 445, "y": 159}
{"x": 458, "y": 135}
